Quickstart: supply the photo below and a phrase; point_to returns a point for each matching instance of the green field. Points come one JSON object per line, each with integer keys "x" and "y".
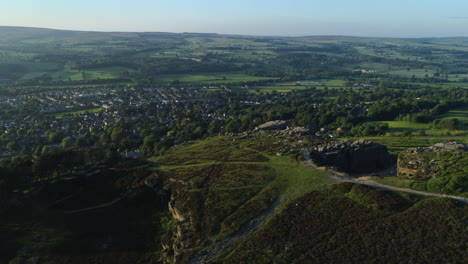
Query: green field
{"x": 406, "y": 126}
{"x": 215, "y": 78}
{"x": 460, "y": 114}
{"x": 156, "y": 57}
{"x": 428, "y": 129}
{"x": 76, "y": 112}
{"x": 396, "y": 144}
{"x": 299, "y": 85}
{"x": 278, "y": 88}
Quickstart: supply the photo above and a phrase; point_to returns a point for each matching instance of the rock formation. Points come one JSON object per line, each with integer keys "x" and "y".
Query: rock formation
{"x": 425, "y": 163}
{"x": 271, "y": 125}
{"x": 352, "y": 156}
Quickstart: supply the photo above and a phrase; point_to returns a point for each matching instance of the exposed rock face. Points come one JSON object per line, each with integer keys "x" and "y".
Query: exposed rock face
{"x": 178, "y": 247}
{"x": 184, "y": 240}
{"x": 413, "y": 165}
{"x": 352, "y": 156}
{"x": 451, "y": 145}
{"x": 271, "y": 125}
{"x": 425, "y": 163}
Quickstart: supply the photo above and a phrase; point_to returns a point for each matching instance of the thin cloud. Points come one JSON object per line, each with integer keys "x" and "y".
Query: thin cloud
{"x": 458, "y": 17}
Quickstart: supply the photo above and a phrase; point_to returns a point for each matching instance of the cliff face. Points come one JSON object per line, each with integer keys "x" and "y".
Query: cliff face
{"x": 185, "y": 234}
{"x": 352, "y": 156}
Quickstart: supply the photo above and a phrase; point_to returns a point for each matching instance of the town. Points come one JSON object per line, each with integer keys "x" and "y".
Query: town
{"x": 56, "y": 118}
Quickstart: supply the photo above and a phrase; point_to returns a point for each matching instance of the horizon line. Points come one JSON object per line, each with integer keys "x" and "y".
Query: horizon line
{"x": 231, "y": 34}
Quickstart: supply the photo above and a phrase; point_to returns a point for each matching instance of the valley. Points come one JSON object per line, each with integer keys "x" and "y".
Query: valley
{"x": 121, "y": 147}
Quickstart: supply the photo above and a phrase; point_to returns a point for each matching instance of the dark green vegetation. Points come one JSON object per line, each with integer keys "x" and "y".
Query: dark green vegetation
{"x": 45, "y": 220}
{"x": 232, "y": 201}
{"x": 349, "y": 223}
{"x": 435, "y": 170}
{"x": 154, "y": 127}
{"x": 92, "y": 213}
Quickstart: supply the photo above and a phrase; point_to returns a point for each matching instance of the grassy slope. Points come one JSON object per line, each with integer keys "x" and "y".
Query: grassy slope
{"x": 343, "y": 221}
{"x": 237, "y": 180}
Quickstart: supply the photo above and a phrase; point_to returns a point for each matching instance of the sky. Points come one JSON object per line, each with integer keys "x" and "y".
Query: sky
{"x": 373, "y": 18}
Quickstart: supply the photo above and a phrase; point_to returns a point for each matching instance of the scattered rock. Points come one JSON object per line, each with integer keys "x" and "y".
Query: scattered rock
{"x": 426, "y": 163}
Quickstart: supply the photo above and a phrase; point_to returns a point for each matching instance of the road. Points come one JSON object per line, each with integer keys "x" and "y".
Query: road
{"x": 343, "y": 177}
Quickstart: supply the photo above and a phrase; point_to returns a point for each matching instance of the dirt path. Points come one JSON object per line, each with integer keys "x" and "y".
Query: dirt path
{"x": 98, "y": 206}
{"x": 343, "y": 177}
{"x": 210, "y": 254}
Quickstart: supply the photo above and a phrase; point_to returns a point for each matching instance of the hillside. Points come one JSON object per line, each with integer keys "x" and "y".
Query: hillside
{"x": 225, "y": 200}
{"x": 349, "y": 223}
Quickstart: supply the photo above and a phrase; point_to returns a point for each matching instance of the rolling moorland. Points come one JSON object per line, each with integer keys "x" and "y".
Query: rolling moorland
{"x": 143, "y": 148}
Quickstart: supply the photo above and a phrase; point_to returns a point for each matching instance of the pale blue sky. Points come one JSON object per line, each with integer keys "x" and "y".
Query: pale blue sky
{"x": 393, "y": 18}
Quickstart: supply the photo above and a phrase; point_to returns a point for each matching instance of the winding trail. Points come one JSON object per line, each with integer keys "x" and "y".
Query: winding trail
{"x": 210, "y": 254}
{"x": 98, "y": 206}
{"x": 343, "y": 177}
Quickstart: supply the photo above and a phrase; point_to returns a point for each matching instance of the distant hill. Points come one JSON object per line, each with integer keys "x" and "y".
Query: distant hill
{"x": 52, "y": 58}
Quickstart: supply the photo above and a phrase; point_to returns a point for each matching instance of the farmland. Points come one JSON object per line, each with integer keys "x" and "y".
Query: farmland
{"x": 211, "y": 59}
{"x": 431, "y": 129}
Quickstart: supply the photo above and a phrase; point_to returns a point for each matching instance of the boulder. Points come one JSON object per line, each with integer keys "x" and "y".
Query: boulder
{"x": 352, "y": 156}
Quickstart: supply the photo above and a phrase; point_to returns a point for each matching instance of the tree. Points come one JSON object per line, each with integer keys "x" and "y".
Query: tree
{"x": 67, "y": 142}
{"x": 232, "y": 126}
{"x": 82, "y": 141}
{"x": 54, "y": 137}
{"x": 449, "y": 123}
{"x": 12, "y": 146}
{"x": 148, "y": 145}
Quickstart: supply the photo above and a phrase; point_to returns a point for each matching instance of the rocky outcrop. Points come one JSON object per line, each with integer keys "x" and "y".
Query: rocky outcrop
{"x": 185, "y": 235}
{"x": 352, "y": 156}
{"x": 423, "y": 163}
{"x": 450, "y": 146}
{"x": 272, "y": 125}
{"x": 178, "y": 246}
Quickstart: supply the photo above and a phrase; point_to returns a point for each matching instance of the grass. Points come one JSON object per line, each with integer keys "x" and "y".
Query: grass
{"x": 418, "y": 73}
{"x": 214, "y": 78}
{"x": 77, "y": 112}
{"x": 76, "y": 75}
{"x": 237, "y": 180}
{"x": 461, "y": 114}
{"x": 284, "y": 87}
{"x": 279, "y": 88}
{"x": 406, "y": 126}
{"x": 396, "y": 144}
{"x": 293, "y": 180}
